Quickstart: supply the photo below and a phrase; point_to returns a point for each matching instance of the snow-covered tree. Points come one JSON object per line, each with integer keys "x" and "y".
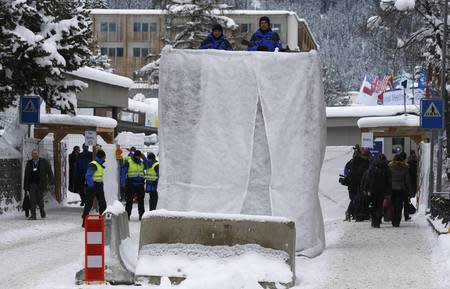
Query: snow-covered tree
{"x": 188, "y": 23}
{"x": 334, "y": 91}
{"x": 97, "y": 4}
{"x": 101, "y": 62}
{"x": 40, "y": 40}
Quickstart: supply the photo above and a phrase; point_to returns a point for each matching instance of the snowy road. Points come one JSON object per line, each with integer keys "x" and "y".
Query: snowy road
{"x": 47, "y": 253}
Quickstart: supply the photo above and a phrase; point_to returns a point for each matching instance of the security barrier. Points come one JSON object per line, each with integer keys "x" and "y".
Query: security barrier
{"x": 166, "y": 227}
{"x": 94, "y": 269}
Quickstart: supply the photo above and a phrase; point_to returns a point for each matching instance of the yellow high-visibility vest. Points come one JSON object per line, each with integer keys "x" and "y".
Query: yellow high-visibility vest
{"x": 98, "y": 175}
{"x": 151, "y": 174}
{"x": 134, "y": 169}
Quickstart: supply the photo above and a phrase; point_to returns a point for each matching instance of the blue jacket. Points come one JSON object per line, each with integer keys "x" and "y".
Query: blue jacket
{"x": 83, "y": 160}
{"x": 265, "y": 41}
{"x": 134, "y": 180}
{"x": 90, "y": 173}
{"x": 220, "y": 43}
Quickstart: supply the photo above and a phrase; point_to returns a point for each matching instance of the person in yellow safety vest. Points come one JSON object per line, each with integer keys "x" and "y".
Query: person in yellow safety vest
{"x": 151, "y": 179}
{"x": 134, "y": 182}
{"x": 94, "y": 182}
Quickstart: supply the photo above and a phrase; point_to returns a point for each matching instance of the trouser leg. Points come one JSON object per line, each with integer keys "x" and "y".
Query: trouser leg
{"x": 406, "y": 201}
{"x": 33, "y": 199}
{"x": 397, "y": 204}
{"x": 153, "y": 201}
{"x": 100, "y": 196}
{"x": 141, "y": 195}
{"x": 129, "y": 198}
{"x": 90, "y": 195}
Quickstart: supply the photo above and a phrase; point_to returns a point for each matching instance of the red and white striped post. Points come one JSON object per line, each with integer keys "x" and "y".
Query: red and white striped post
{"x": 94, "y": 259}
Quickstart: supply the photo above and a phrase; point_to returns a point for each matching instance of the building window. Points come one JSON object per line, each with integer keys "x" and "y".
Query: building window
{"x": 119, "y": 52}
{"x": 137, "y": 27}
{"x": 144, "y": 27}
{"x": 112, "y": 27}
{"x": 246, "y": 27}
{"x": 153, "y": 27}
{"x": 104, "y": 27}
{"x": 111, "y": 52}
{"x": 140, "y": 52}
{"x": 136, "y": 52}
{"x": 144, "y": 52}
{"x": 276, "y": 28}
{"x": 103, "y": 51}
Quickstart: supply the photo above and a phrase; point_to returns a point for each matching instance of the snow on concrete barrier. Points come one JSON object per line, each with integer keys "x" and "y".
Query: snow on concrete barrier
{"x": 94, "y": 269}
{"x": 117, "y": 234}
{"x": 193, "y": 247}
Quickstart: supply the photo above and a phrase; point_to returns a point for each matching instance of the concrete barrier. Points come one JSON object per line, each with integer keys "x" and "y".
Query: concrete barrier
{"x": 116, "y": 231}
{"x": 166, "y": 227}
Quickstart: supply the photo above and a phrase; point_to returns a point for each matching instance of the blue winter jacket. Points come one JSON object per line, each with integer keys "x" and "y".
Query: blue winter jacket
{"x": 136, "y": 181}
{"x": 83, "y": 160}
{"x": 90, "y": 173}
{"x": 220, "y": 43}
{"x": 265, "y": 41}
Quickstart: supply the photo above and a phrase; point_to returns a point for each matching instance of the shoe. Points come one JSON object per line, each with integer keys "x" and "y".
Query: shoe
{"x": 81, "y": 204}
{"x": 27, "y": 214}
{"x": 43, "y": 214}
{"x": 140, "y": 217}
{"x": 32, "y": 218}
{"x": 407, "y": 218}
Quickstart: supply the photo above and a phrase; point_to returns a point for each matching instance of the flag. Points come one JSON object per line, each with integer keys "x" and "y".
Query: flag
{"x": 368, "y": 86}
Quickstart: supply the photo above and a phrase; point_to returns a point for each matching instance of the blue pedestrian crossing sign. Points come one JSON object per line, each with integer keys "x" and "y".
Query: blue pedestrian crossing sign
{"x": 29, "y": 109}
{"x": 431, "y": 113}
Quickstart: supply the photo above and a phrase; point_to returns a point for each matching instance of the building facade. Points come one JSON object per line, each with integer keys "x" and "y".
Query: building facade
{"x": 131, "y": 37}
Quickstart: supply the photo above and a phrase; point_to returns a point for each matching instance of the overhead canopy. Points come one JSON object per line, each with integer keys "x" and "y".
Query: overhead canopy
{"x": 406, "y": 125}
{"x": 104, "y": 89}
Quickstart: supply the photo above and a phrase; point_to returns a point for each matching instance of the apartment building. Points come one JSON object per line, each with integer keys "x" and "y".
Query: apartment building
{"x": 131, "y": 37}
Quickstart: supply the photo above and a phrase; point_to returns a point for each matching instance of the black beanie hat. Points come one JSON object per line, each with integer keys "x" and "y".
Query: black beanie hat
{"x": 264, "y": 18}
{"x": 217, "y": 27}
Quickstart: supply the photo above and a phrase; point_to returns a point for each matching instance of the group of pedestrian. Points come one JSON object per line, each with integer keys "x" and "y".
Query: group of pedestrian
{"x": 139, "y": 175}
{"x": 264, "y": 39}
{"x": 380, "y": 188}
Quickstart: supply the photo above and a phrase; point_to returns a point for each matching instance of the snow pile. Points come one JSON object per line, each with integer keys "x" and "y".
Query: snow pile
{"x": 102, "y": 76}
{"x": 111, "y": 186}
{"x": 243, "y": 132}
{"x": 231, "y": 217}
{"x": 116, "y": 208}
{"x": 7, "y": 151}
{"x": 79, "y": 120}
{"x": 199, "y": 262}
{"x": 145, "y": 106}
{"x": 424, "y": 177}
{"x": 129, "y": 253}
{"x": 398, "y": 120}
{"x": 403, "y": 5}
{"x": 128, "y": 139}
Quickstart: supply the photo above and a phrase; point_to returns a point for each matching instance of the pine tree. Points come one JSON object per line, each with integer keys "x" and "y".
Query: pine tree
{"x": 335, "y": 94}
{"x": 101, "y": 62}
{"x": 97, "y": 4}
{"x": 40, "y": 41}
{"x": 188, "y": 23}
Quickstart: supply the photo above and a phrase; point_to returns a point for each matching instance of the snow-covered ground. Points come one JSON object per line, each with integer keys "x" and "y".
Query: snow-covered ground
{"x": 47, "y": 253}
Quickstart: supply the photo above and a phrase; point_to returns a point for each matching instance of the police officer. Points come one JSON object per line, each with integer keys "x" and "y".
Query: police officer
{"x": 94, "y": 182}
{"x": 134, "y": 183}
{"x": 151, "y": 180}
{"x": 264, "y": 39}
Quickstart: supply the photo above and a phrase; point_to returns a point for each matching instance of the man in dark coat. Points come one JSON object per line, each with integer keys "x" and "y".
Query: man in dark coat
{"x": 216, "y": 40}
{"x": 378, "y": 184}
{"x": 360, "y": 164}
{"x": 72, "y": 169}
{"x": 38, "y": 174}
{"x": 400, "y": 188}
{"x": 151, "y": 179}
{"x": 264, "y": 39}
{"x": 82, "y": 164}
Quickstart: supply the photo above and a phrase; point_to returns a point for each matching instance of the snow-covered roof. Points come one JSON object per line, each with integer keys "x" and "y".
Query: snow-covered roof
{"x": 365, "y": 111}
{"x": 390, "y": 121}
{"x": 150, "y": 105}
{"x": 102, "y": 76}
{"x": 127, "y": 11}
{"x": 80, "y": 120}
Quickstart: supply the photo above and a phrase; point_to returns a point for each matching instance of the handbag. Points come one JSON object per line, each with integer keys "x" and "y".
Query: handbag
{"x": 411, "y": 209}
{"x": 26, "y": 202}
